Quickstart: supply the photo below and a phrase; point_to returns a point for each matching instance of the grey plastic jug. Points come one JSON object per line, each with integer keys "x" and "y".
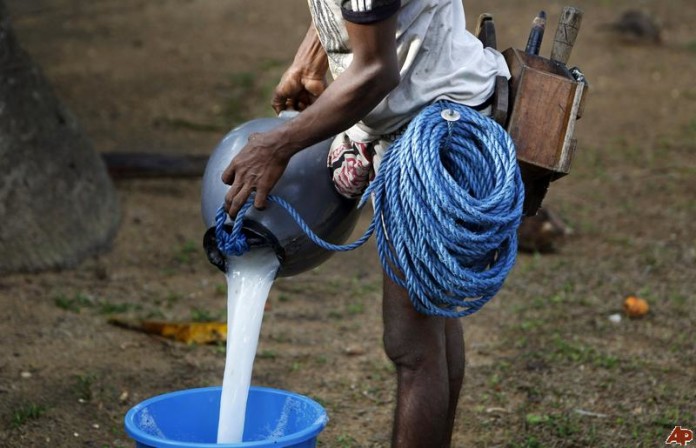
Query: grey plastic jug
{"x": 305, "y": 184}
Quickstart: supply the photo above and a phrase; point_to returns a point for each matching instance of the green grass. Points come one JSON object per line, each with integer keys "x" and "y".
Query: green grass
{"x": 25, "y": 413}
{"x": 691, "y": 46}
{"x": 81, "y": 301}
{"x": 202, "y": 315}
{"x": 83, "y": 386}
{"x": 116, "y": 308}
{"x": 248, "y": 93}
{"x": 185, "y": 253}
{"x": 334, "y": 314}
{"x": 577, "y": 353}
{"x": 74, "y": 303}
{"x": 267, "y": 354}
{"x": 529, "y": 442}
{"x": 355, "y": 308}
{"x": 346, "y": 441}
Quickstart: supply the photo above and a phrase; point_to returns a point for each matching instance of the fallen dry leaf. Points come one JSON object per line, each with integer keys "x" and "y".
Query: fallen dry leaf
{"x": 186, "y": 332}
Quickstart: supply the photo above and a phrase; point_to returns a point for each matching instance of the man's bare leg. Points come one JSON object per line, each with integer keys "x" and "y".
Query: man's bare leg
{"x": 418, "y": 346}
{"x": 455, "y": 368}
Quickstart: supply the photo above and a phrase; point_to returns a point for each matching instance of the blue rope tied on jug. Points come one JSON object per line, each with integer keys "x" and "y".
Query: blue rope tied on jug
{"x": 235, "y": 243}
{"x": 448, "y": 200}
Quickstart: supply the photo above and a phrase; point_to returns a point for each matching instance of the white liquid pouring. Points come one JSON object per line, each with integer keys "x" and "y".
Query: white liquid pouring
{"x": 249, "y": 280}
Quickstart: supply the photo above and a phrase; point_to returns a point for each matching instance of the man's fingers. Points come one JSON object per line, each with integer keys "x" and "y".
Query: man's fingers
{"x": 231, "y": 194}
{"x": 228, "y": 175}
{"x": 237, "y": 200}
{"x": 278, "y": 103}
{"x": 261, "y": 199}
{"x": 280, "y": 98}
{"x": 291, "y": 104}
{"x": 234, "y": 196}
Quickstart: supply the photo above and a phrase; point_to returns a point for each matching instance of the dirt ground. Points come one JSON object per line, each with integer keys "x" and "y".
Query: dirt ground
{"x": 546, "y": 367}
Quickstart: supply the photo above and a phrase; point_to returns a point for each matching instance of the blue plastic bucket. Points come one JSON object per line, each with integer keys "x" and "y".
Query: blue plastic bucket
{"x": 189, "y": 419}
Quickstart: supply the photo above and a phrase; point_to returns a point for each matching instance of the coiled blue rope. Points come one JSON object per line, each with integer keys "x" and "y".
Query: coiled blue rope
{"x": 448, "y": 201}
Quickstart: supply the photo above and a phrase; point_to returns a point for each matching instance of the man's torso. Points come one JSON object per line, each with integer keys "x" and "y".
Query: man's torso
{"x": 438, "y": 59}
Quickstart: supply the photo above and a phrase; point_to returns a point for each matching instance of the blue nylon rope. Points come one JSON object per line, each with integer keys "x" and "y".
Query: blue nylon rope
{"x": 447, "y": 203}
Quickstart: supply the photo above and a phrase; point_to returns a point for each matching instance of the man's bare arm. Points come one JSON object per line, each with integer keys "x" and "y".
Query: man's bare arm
{"x": 305, "y": 79}
{"x": 373, "y": 73}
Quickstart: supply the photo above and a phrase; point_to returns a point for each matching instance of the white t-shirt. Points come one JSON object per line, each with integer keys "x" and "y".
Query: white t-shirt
{"x": 438, "y": 58}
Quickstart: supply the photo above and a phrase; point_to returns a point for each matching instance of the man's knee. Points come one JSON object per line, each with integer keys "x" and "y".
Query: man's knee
{"x": 411, "y": 339}
{"x": 412, "y": 348}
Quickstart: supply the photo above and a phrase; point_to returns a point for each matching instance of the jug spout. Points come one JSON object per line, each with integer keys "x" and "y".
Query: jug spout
{"x": 255, "y": 235}
{"x": 215, "y": 257}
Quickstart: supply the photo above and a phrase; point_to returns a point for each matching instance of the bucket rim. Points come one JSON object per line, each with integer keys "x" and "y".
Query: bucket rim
{"x": 141, "y": 436}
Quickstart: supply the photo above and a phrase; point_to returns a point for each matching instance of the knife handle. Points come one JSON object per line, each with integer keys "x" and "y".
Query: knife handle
{"x": 566, "y": 33}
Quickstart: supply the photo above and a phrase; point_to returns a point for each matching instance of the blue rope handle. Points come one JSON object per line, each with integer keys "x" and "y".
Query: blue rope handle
{"x": 235, "y": 242}
{"x": 448, "y": 200}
